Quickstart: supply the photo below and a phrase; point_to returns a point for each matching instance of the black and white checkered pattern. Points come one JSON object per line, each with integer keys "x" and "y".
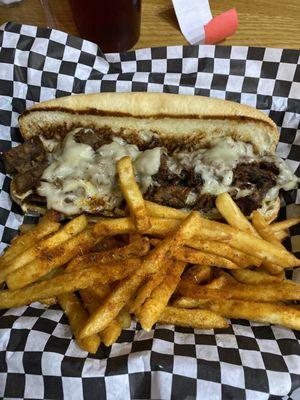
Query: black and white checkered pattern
{"x": 38, "y": 356}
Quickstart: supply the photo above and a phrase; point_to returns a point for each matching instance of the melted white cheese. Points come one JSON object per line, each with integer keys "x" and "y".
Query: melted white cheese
{"x": 81, "y": 179}
{"x": 216, "y": 165}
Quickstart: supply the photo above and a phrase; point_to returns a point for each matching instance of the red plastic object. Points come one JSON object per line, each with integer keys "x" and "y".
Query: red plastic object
{"x": 221, "y": 26}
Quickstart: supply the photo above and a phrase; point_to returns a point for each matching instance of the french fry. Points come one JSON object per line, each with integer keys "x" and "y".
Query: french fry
{"x": 160, "y": 227}
{"x": 286, "y": 290}
{"x": 50, "y": 301}
{"x": 282, "y": 225}
{"x": 68, "y": 282}
{"x": 264, "y": 230}
{"x": 112, "y": 305}
{"x": 51, "y": 259}
{"x": 25, "y": 228}
{"x": 256, "y": 277}
{"x": 47, "y": 225}
{"x": 228, "y": 278}
{"x": 246, "y": 242}
{"x": 193, "y": 256}
{"x": 114, "y": 226}
{"x": 77, "y": 317}
{"x": 198, "y": 319}
{"x": 148, "y": 314}
{"x": 90, "y": 302}
{"x": 108, "y": 243}
{"x": 118, "y": 226}
{"x": 243, "y": 260}
{"x": 132, "y": 194}
{"x": 281, "y": 235}
{"x": 134, "y": 237}
{"x": 233, "y": 215}
{"x": 159, "y": 211}
{"x": 198, "y": 273}
{"x": 217, "y": 283}
{"x": 125, "y": 290}
{"x": 260, "y": 312}
{"x": 138, "y": 248}
{"x": 124, "y": 318}
{"x": 111, "y": 333}
{"x": 70, "y": 230}
{"x": 100, "y": 291}
{"x": 153, "y": 281}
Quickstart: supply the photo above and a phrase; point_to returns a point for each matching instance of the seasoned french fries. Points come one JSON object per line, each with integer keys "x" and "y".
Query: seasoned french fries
{"x": 282, "y": 225}
{"x": 100, "y": 291}
{"x": 90, "y": 302}
{"x": 233, "y": 215}
{"x": 68, "y": 282}
{"x": 217, "y": 283}
{"x": 198, "y": 274}
{"x": 124, "y": 292}
{"x": 111, "y": 306}
{"x": 25, "y": 228}
{"x": 199, "y": 319}
{"x": 193, "y": 256}
{"x": 150, "y": 311}
{"x": 256, "y": 277}
{"x": 70, "y": 230}
{"x": 281, "y": 235}
{"x": 266, "y": 233}
{"x": 264, "y": 229}
{"x": 246, "y": 242}
{"x": 48, "y": 224}
{"x": 138, "y": 248}
{"x": 261, "y": 312}
{"x": 158, "y": 265}
{"x": 111, "y": 333}
{"x": 124, "y": 318}
{"x": 120, "y": 226}
{"x": 51, "y": 259}
{"x": 159, "y": 211}
{"x": 287, "y": 290}
{"x": 132, "y": 194}
{"x": 224, "y": 250}
{"x": 153, "y": 281}
{"x": 77, "y": 317}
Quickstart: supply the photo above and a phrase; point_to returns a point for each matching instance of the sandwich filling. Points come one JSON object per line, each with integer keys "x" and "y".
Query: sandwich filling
{"x": 79, "y": 174}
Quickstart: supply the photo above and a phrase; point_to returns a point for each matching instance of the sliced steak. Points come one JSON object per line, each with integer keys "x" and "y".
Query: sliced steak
{"x": 94, "y": 139}
{"x": 250, "y": 203}
{"x": 258, "y": 176}
{"x": 169, "y": 195}
{"x": 262, "y": 175}
{"x": 36, "y": 200}
{"x": 28, "y": 180}
{"x": 269, "y": 166}
{"x": 194, "y": 179}
{"x": 188, "y": 178}
{"x": 205, "y": 202}
{"x": 165, "y": 175}
{"x": 25, "y": 156}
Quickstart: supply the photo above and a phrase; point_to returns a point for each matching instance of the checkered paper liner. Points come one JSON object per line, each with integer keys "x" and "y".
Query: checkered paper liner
{"x": 38, "y": 355}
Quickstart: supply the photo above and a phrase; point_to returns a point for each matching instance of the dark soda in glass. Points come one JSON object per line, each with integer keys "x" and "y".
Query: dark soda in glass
{"x": 113, "y": 24}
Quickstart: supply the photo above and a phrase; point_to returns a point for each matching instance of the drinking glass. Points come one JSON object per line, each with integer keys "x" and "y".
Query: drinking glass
{"x": 113, "y": 24}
